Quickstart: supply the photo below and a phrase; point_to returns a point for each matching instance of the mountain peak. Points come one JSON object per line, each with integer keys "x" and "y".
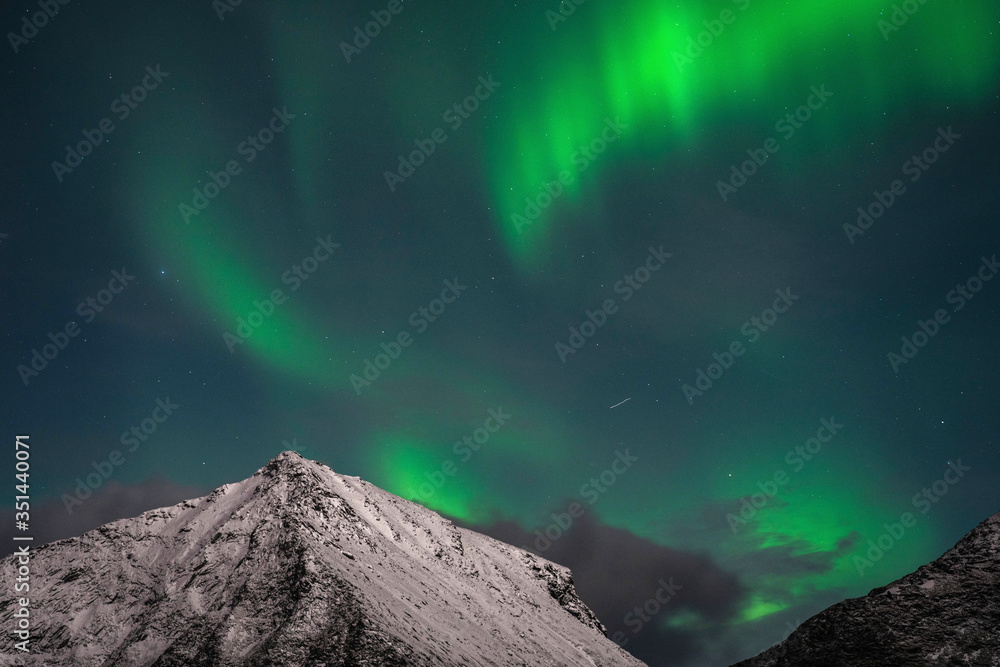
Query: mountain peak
{"x": 288, "y": 454}
{"x": 298, "y": 565}
{"x": 286, "y": 462}
{"x": 294, "y": 478}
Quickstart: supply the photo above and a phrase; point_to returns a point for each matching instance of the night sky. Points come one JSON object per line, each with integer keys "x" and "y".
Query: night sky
{"x": 600, "y": 274}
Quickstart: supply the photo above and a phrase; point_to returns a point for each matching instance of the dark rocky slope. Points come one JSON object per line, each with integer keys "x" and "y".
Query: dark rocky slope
{"x": 947, "y": 613}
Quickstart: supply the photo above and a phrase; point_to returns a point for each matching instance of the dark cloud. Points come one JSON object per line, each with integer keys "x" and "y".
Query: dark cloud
{"x": 796, "y": 558}
{"x": 616, "y": 571}
{"x": 50, "y": 521}
{"x": 711, "y": 526}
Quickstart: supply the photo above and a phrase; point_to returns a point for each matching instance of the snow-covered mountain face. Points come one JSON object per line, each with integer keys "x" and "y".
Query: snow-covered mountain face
{"x": 300, "y": 566}
{"x": 945, "y": 613}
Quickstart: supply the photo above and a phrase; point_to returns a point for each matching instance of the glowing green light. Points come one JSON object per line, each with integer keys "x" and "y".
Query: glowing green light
{"x": 636, "y": 62}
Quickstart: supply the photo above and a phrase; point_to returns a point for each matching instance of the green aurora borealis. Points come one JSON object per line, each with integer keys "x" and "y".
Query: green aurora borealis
{"x": 455, "y": 219}
{"x": 633, "y": 62}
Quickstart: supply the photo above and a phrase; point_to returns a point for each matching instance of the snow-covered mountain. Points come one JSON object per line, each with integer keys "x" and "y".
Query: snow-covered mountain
{"x": 300, "y": 566}
{"x": 945, "y": 613}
